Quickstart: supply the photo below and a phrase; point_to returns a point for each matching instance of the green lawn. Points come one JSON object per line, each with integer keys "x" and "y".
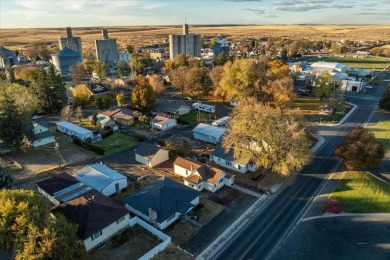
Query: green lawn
{"x": 359, "y": 192}
{"x": 192, "y": 117}
{"x": 116, "y": 142}
{"x": 363, "y": 63}
{"x": 382, "y": 133}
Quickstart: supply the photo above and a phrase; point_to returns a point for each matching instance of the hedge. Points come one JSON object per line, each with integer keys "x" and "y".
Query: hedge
{"x": 89, "y": 146}
{"x": 106, "y": 133}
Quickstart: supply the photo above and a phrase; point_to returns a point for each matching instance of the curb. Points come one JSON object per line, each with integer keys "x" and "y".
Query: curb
{"x": 342, "y": 121}
{"x": 346, "y": 215}
{"x": 320, "y": 142}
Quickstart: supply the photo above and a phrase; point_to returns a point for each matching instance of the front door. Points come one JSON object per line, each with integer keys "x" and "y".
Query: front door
{"x": 116, "y": 186}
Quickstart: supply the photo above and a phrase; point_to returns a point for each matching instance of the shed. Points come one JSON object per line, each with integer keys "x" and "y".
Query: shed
{"x": 150, "y": 155}
{"x": 209, "y": 133}
{"x": 74, "y": 130}
{"x": 102, "y": 179}
{"x": 163, "y": 123}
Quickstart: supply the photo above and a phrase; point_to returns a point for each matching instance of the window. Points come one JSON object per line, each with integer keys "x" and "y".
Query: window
{"x": 186, "y": 172}
{"x": 120, "y": 220}
{"x": 239, "y": 167}
{"x": 221, "y": 180}
{"x": 228, "y": 163}
{"x": 96, "y": 235}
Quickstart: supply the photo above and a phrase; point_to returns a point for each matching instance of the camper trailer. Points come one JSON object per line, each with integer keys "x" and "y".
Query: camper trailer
{"x": 222, "y": 122}
{"x": 204, "y": 107}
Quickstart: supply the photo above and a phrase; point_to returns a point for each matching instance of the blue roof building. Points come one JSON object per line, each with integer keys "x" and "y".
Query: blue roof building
{"x": 65, "y": 58}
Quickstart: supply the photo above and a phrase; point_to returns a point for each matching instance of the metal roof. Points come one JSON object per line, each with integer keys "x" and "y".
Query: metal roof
{"x": 98, "y": 176}
{"x": 209, "y": 130}
{"x": 75, "y": 128}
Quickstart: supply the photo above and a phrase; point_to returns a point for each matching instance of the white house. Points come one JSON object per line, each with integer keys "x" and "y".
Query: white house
{"x": 102, "y": 179}
{"x": 209, "y": 133}
{"x": 202, "y": 176}
{"x": 163, "y": 123}
{"x": 98, "y": 217}
{"x": 74, "y": 130}
{"x": 162, "y": 202}
{"x": 227, "y": 160}
{"x": 61, "y": 188}
{"x": 41, "y": 134}
{"x": 150, "y": 155}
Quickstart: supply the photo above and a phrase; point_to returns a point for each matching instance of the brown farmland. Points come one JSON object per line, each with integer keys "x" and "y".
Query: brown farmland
{"x": 19, "y": 39}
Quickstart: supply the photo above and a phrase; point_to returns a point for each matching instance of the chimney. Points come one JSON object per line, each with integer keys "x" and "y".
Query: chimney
{"x": 93, "y": 197}
{"x": 105, "y": 34}
{"x": 185, "y": 29}
{"x": 69, "y": 32}
{"x": 192, "y": 167}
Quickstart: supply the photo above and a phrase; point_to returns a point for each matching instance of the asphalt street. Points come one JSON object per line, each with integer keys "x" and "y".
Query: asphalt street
{"x": 265, "y": 232}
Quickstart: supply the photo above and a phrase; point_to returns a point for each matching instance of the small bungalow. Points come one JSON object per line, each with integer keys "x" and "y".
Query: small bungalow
{"x": 163, "y": 123}
{"x": 227, "y": 160}
{"x": 74, "y": 130}
{"x": 102, "y": 179}
{"x": 209, "y": 133}
{"x": 150, "y": 155}
{"x": 98, "y": 217}
{"x": 202, "y": 176}
{"x": 61, "y": 188}
{"x": 41, "y": 134}
{"x": 162, "y": 202}
{"x": 178, "y": 108}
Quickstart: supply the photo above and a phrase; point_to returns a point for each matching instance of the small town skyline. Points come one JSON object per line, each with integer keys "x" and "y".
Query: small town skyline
{"x": 41, "y": 13}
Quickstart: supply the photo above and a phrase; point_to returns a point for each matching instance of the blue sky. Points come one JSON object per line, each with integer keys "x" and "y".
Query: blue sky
{"x": 60, "y": 13}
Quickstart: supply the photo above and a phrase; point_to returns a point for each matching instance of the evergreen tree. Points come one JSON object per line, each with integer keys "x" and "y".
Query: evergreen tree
{"x": 13, "y": 123}
{"x": 49, "y": 88}
{"x": 99, "y": 102}
{"x": 5, "y": 178}
{"x": 143, "y": 96}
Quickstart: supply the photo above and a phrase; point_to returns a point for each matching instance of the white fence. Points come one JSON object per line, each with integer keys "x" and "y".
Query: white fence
{"x": 160, "y": 247}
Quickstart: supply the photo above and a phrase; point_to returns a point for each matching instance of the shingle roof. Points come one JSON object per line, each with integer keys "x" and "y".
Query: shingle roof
{"x": 220, "y": 152}
{"x": 57, "y": 183}
{"x": 92, "y": 212}
{"x": 170, "y": 107}
{"x": 147, "y": 150}
{"x": 160, "y": 120}
{"x": 42, "y": 135}
{"x": 110, "y": 112}
{"x": 165, "y": 196}
{"x": 98, "y": 176}
{"x": 210, "y": 130}
{"x": 187, "y": 163}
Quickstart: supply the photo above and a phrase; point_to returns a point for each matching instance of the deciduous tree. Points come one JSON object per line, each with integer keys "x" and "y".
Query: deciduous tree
{"x": 268, "y": 138}
{"x": 79, "y": 113}
{"x": 120, "y": 99}
{"x": 121, "y": 68}
{"x": 81, "y": 95}
{"x": 360, "y": 150}
{"x": 178, "y": 78}
{"x": 198, "y": 81}
{"x": 100, "y": 69}
{"x": 143, "y": 96}
{"x": 138, "y": 64}
{"x": 78, "y": 73}
{"x": 384, "y": 102}
{"x": 67, "y": 111}
{"x": 323, "y": 84}
{"x": 180, "y": 60}
{"x": 157, "y": 83}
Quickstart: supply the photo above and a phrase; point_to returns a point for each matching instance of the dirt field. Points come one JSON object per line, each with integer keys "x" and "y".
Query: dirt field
{"x": 19, "y": 39}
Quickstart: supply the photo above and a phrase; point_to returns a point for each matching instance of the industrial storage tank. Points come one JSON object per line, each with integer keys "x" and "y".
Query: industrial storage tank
{"x": 65, "y": 58}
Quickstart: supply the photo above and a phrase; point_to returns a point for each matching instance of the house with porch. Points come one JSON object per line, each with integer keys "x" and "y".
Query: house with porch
{"x": 162, "y": 202}
{"x": 201, "y": 176}
{"x": 41, "y": 134}
{"x": 227, "y": 160}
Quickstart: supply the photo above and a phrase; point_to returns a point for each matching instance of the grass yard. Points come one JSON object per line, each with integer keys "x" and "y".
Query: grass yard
{"x": 88, "y": 125}
{"x": 363, "y": 63}
{"x": 192, "y": 117}
{"x": 382, "y": 133}
{"x": 116, "y": 142}
{"x": 359, "y": 192}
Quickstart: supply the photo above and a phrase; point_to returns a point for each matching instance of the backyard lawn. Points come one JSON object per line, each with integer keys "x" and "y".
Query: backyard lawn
{"x": 363, "y": 63}
{"x": 382, "y": 133}
{"x": 116, "y": 142}
{"x": 359, "y": 192}
{"x": 192, "y": 117}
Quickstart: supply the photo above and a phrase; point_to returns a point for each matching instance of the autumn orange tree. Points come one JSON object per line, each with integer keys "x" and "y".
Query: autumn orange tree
{"x": 81, "y": 95}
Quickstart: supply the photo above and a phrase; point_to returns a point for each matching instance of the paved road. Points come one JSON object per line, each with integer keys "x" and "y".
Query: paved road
{"x": 270, "y": 226}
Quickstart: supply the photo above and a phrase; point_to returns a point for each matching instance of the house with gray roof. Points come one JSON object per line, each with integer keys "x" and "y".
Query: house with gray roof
{"x": 162, "y": 202}
{"x": 97, "y": 217}
{"x": 209, "y": 133}
{"x": 61, "y": 188}
{"x": 150, "y": 154}
{"x": 226, "y": 159}
{"x": 102, "y": 178}
{"x": 7, "y": 58}
{"x": 178, "y": 108}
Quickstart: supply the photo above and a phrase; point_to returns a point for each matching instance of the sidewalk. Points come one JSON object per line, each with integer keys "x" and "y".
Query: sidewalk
{"x": 254, "y": 194}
